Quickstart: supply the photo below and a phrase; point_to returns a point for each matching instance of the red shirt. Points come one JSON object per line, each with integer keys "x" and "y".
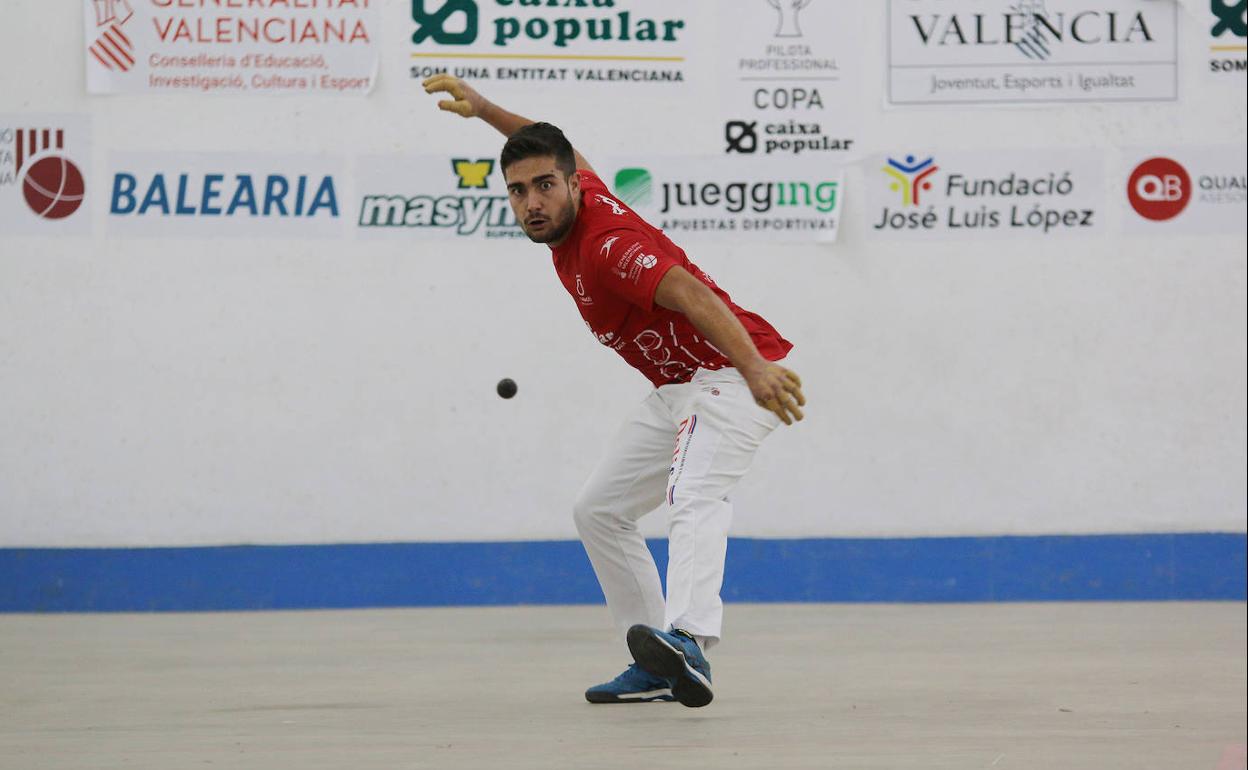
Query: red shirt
{"x": 611, "y": 263}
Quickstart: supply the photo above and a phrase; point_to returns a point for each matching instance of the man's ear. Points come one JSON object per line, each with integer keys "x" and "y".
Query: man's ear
{"x": 574, "y": 183}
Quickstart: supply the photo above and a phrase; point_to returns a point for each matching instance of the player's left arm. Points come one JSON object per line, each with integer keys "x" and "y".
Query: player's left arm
{"x": 773, "y": 386}
{"x": 466, "y": 102}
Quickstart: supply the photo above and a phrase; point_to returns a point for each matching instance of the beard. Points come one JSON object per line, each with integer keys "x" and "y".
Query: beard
{"x": 554, "y": 229}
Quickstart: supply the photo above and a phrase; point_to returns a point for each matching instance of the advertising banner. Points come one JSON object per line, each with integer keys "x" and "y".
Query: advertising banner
{"x": 1026, "y": 193}
{"x": 1193, "y": 190}
{"x": 259, "y": 46}
{"x": 433, "y": 196}
{"x": 788, "y": 75}
{"x": 1000, "y": 51}
{"x": 225, "y": 195}
{"x": 45, "y": 162}
{"x": 582, "y": 47}
{"x": 1227, "y": 55}
{"x": 717, "y": 198}
{"x": 449, "y": 196}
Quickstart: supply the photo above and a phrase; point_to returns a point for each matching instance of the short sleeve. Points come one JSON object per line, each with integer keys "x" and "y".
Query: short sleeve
{"x": 630, "y": 264}
{"x": 591, "y": 182}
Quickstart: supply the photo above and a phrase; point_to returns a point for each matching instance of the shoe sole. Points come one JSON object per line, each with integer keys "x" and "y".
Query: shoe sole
{"x": 654, "y": 696}
{"x": 655, "y": 655}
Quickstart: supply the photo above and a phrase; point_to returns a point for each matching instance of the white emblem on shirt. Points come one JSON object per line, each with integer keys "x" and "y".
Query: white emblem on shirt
{"x": 615, "y": 206}
{"x": 642, "y": 262}
{"x": 605, "y": 251}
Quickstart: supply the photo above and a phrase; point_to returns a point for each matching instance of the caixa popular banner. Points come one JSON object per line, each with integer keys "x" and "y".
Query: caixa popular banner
{"x": 646, "y": 46}
{"x": 256, "y": 47}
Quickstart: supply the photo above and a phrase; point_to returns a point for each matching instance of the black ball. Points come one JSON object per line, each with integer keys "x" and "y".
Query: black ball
{"x": 506, "y": 387}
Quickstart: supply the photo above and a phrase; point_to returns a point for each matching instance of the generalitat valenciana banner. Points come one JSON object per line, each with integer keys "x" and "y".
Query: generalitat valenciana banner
{"x": 232, "y": 46}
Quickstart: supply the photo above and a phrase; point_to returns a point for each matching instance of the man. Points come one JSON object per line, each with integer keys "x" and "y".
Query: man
{"x": 718, "y": 393}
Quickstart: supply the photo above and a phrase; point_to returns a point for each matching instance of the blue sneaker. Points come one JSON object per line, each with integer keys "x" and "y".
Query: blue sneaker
{"x": 635, "y": 685}
{"x": 674, "y": 655}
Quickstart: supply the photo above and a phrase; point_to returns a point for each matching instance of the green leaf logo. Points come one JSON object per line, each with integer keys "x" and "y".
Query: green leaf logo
{"x": 634, "y": 186}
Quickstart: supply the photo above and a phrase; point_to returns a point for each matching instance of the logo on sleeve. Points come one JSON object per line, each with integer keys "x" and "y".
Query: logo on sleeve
{"x": 615, "y": 206}
{"x": 605, "y": 251}
{"x": 581, "y": 296}
{"x": 641, "y": 263}
{"x": 631, "y": 255}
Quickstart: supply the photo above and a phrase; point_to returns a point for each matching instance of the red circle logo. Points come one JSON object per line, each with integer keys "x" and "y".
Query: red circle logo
{"x": 53, "y": 187}
{"x": 1159, "y": 189}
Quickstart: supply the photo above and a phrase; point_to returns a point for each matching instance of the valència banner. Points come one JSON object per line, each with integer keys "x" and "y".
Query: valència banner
{"x": 995, "y": 51}
{"x": 260, "y": 47}
{"x": 1046, "y": 193}
{"x": 722, "y": 199}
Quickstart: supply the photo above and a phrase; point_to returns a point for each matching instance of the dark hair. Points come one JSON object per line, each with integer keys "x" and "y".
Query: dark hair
{"x": 537, "y": 140}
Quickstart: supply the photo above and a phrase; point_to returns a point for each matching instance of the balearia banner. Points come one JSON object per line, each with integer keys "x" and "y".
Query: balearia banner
{"x": 261, "y": 47}
{"x": 225, "y": 195}
{"x": 1025, "y": 193}
{"x": 717, "y": 198}
{"x": 994, "y": 51}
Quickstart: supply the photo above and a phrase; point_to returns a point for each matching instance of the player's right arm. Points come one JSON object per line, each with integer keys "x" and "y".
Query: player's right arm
{"x": 467, "y": 103}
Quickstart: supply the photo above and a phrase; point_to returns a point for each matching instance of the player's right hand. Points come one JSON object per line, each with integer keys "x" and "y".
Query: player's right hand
{"x": 779, "y": 391}
{"x": 464, "y": 101}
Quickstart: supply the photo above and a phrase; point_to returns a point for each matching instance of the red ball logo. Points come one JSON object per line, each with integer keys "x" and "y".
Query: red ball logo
{"x": 1159, "y": 189}
{"x": 53, "y": 187}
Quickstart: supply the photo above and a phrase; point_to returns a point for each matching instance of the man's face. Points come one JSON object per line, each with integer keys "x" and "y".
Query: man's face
{"x": 544, "y": 200}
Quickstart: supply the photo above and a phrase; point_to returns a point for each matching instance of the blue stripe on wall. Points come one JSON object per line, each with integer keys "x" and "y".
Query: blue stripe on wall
{"x": 955, "y": 569}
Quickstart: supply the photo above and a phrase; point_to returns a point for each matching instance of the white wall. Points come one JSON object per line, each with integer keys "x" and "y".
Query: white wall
{"x": 158, "y": 392}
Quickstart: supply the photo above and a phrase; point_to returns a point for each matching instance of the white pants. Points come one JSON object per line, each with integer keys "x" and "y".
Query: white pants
{"x": 686, "y": 447}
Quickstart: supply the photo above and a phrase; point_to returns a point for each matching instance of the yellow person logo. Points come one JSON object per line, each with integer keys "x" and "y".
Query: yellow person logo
{"x": 473, "y": 174}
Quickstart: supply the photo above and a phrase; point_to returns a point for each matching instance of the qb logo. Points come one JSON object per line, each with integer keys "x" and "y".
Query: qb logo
{"x": 1159, "y": 189}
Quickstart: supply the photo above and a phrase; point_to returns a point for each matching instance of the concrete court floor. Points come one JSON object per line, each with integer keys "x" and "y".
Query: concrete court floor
{"x": 997, "y": 686}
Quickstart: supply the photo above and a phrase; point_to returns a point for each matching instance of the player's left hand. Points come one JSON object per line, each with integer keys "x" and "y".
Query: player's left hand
{"x": 464, "y": 101}
{"x": 778, "y": 390}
